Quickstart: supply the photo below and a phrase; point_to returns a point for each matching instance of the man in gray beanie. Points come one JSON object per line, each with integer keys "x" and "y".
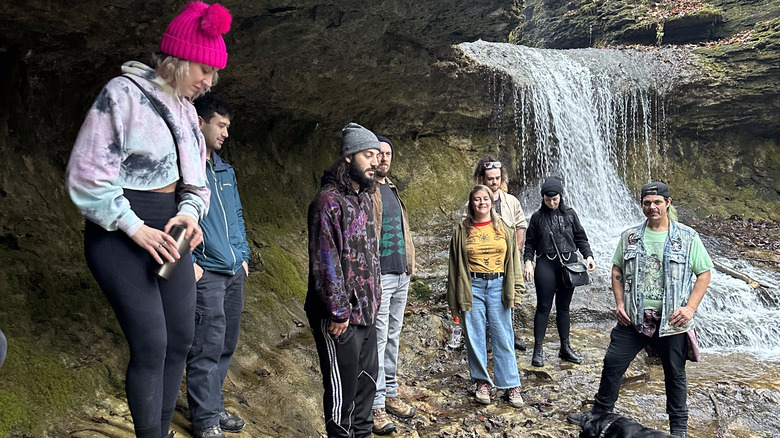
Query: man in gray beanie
{"x": 345, "y": 284}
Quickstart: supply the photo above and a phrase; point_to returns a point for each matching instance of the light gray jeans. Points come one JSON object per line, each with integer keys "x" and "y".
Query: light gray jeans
{"x": 389, "y": 320}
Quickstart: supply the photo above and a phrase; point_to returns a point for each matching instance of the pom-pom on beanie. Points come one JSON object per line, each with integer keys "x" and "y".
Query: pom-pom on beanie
{"x": 196, "y": 34}
{"x": 356, "y": 138}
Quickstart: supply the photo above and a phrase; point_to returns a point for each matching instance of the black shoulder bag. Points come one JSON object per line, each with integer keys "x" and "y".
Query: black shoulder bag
{"x": 574, "y": 273}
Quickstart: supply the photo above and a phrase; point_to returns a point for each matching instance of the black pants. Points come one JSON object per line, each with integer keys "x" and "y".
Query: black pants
{"x": 349, "y": 366}
{"x": 549, "y": 285}
{"x": 624, "y": 344}
{"x": 157, "y": 316}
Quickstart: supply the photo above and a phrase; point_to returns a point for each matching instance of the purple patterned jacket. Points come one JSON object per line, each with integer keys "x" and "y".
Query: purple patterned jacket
{"x": 345, "y": 282}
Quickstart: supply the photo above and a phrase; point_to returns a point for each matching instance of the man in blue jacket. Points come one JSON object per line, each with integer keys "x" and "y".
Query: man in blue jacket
{"x": 221, "y": 268}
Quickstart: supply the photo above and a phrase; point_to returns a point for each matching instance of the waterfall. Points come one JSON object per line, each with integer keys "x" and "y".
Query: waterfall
{"x": 597, "y": 118}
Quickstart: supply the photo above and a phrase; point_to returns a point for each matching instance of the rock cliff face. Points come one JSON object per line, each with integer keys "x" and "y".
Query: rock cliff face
{"x": 724, "y": 131}
{"x": 298, "y": 71}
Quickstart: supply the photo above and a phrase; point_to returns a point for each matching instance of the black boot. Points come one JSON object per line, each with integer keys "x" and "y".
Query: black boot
{"x": 519, "y": 344}
{"x": 537, "y": 359}
{"x": 567, "y": 353}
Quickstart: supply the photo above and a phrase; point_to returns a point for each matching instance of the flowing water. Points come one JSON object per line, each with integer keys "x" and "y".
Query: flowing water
{"x": 597, "y": 118}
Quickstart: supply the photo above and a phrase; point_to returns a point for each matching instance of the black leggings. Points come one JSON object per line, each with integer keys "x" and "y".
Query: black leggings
{"x": 156, "y": 315}
{"x": 547, "y": 278}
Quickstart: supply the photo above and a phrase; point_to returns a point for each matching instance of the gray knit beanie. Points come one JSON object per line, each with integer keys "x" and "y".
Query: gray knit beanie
{"x": 357, "y": 138}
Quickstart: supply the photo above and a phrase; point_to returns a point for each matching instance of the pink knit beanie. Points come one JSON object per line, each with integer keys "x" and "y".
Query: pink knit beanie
{"x": 196, "y": 34}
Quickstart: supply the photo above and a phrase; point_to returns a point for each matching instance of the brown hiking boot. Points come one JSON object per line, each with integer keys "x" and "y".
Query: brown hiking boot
{"x": 382, "y": 423}
{"x": 397, "y": 407}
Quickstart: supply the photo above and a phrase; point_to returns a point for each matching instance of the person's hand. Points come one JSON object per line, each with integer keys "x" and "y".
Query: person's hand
{"x": 157, "y": 243}
{"x": 246, "y": 268}
{"x": 337, "y": 329}
{"x": 590, "y": 263}
{"x": 528, "y": 271}
{"x": 622, "y": 316}
{"x": 198, "y": 272}
{"x": 682, "y": 316}
{"x": 193, "y": 231}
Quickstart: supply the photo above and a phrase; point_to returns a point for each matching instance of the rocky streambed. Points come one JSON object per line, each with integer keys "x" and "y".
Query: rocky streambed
{"x": 730, "y": 394}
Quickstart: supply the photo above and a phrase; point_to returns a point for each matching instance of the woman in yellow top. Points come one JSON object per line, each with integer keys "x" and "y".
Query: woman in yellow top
{"x": 484, "y": 283}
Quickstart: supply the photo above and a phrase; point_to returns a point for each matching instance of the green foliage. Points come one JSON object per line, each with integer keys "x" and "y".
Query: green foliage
{"x": 35, "y": 386}
{"x": 282, "y": 274}
{"x": 435, "y": 185}
{"x": 420, "y": 291}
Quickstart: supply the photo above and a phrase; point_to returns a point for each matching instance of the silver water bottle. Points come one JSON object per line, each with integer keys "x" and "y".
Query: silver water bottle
{"x": 182, "y": 245}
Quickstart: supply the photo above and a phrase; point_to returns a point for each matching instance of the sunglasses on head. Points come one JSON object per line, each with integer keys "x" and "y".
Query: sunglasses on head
{"x": 493, "y": 165}
{"x": 551, "y": 194}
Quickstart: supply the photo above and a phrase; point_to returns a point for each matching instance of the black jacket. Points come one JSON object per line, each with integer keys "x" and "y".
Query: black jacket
{"x": 566, "y": 227}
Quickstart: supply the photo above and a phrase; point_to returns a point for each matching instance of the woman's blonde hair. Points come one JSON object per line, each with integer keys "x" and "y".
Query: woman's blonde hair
{"x": 175, "y": 71}
{"x": 494, "y": 219}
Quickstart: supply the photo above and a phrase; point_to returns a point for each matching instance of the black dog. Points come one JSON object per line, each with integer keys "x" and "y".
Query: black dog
{"x": 608, "y": 425}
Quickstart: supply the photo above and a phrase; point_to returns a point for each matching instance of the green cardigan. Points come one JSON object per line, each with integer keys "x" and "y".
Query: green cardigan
{"x": 459, "y": 279}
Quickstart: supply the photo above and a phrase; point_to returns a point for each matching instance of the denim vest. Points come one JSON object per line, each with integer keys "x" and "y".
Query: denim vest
{"x": 678, "y": 277}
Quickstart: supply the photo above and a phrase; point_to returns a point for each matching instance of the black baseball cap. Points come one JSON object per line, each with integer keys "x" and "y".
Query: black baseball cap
{"x": 655, "y": 188}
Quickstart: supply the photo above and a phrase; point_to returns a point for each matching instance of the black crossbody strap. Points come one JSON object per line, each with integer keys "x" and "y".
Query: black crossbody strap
{"x": 159, "y": 113}
{"x": 560, "y": 259}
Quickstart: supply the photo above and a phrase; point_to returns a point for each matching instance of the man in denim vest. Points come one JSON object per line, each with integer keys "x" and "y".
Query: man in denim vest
{"x": 660, "y": 274}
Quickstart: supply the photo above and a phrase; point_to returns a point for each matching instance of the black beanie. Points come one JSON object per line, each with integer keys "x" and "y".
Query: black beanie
{"x": 553, "y": 184}
{"x": 386, "y": 140}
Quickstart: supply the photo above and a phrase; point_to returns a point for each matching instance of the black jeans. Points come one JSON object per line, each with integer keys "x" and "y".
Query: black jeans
{"x": 625, "y": 343}
{"x": 157, "y": 316}
{"x": 349, "y": 365}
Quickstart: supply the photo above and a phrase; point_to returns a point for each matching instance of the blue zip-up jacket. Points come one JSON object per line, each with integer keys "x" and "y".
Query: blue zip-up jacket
{"x": 224, "y": 246}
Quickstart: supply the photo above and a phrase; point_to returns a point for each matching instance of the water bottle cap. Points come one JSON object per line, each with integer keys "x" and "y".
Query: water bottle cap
{"x": 457, "y": 320}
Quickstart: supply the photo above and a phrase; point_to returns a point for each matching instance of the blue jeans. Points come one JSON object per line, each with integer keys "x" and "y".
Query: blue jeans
{"x": 217, "y": 321}
{"x": 486, "y": 307}
{"x": 389, "y": 320}
{"x": 624, "y": 344}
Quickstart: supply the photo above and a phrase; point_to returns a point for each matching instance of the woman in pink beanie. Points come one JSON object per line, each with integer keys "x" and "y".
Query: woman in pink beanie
{"x": 137, "y": 169}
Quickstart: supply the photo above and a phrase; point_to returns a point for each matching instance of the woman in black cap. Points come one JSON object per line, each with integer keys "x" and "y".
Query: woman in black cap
{"x": 554, "y": 219}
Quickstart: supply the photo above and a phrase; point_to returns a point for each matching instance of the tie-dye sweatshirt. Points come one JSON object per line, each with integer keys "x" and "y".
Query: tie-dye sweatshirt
{"x": 345, "y": 283}
{"x": 125, "y": 144}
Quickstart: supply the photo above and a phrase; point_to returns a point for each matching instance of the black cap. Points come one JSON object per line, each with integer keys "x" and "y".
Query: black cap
{"x": 655, "y": 188}
{"x": 552, "y": 184}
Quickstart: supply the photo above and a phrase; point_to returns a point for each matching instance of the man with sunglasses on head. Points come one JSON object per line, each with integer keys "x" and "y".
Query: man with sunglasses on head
{"x": 490, "y": 172}
{"x": 660, "y": 274}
